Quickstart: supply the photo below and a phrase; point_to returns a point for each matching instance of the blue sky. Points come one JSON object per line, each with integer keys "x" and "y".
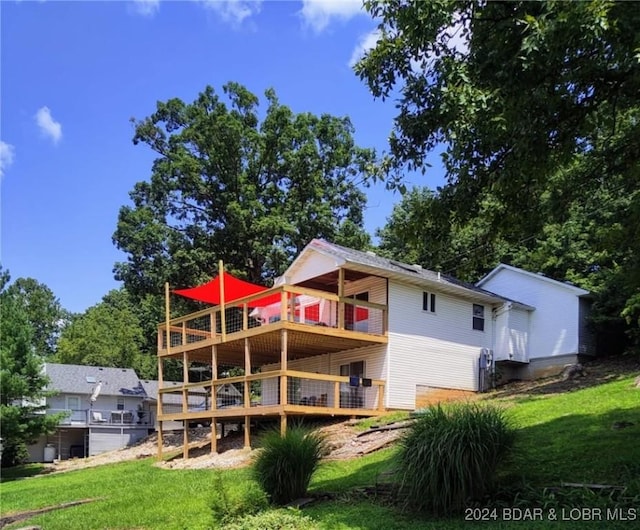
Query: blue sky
{"x": 74, "y": 73}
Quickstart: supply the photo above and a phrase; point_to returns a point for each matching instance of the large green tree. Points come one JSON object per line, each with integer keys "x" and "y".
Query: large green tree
{"x": 22, "y": 382}
{"x": 107, "y": 334}
{"x": 234, "y": 182}
{"x": 513, "y": 89}
{"x": 536, "y": 107}
{"x": 44, "y": 311}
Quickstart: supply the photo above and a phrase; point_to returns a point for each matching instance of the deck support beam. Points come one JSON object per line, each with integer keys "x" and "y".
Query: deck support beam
{"x": 185, "y": 404}
{"x": 167, "y": 320}
{"x": 214, "y": 437}
{"x": 340, "y": 296}
{"x": 214, "y": 398}
{"x": 185, "y": 440}
{"x": 247, "y": 393}
{"x": 283, "y": 366}
{"x": 247, "y": 433}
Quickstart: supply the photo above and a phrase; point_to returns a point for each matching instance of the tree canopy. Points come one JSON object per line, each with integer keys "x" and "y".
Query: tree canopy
{"x": 107, "y": 334}
{"x": 231, "y": 182}
{"x": 22, "y": 383}
{"x": 513, "y": 89}
{"x": 44, "y": 312}
{"x": 535, "y": 106}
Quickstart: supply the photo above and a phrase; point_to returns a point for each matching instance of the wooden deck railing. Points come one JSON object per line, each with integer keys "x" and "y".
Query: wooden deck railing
{"x": 284, "y": 303}
{"x": 279, "y": 390}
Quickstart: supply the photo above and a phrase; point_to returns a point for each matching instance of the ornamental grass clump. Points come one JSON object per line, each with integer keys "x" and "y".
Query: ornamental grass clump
{"x": 285, "y": 463}
{"x": 450, "y": 456}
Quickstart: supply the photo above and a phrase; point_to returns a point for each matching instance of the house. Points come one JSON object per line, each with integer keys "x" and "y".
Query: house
{"x": 350, "y": 333}
{"x": 106, "y": 409}
{"x": 543, "y": 340}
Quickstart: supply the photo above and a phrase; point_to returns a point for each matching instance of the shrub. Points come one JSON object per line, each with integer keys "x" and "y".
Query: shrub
{"x": 231, "y": 502}
{"x": 281, "y": 519}
{"x": 450, "y": 456}
{"x": 286, "y": 462}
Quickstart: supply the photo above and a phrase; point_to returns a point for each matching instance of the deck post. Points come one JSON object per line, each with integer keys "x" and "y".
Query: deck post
{"x": 283, "y": 424}
{"x": 247, "y": 434}
{"x": 167, "y": 320}
{"x": 185, "y": 440}
{"x": 159, "y": 456}
{"x": 340, "y": 296}
{"x": 223, "y": 320}
{"x": 185, "y": 381}
{"x": 247, "y": 393}
{"x": 336, "y": 394}
{"x": 283, "y": 305}
{"x": 283, "y": 368}
{"x": 214, "y": 377}
{"x": 214, "y": 398}
{"x": 247, "y": 372}
{"x": 214, "y": 437}
{"x": 381, "y": 398}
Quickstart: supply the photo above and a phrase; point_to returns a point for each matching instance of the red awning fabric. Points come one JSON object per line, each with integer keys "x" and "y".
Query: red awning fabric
{"x": 234, "y": 288}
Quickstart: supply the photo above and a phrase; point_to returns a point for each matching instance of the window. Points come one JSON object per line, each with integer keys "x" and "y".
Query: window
{"x": 355, "y": 369}
{"x": 429, "y": 302}
{"x": 73, "y": 403}
{"x": 478, "y": 317}
{"x": 120, "y": 403}
{"x": 352, "y": 393}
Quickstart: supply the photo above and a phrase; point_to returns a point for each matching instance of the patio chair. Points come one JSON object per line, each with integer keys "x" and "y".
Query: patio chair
{"x": 97, "y": 417}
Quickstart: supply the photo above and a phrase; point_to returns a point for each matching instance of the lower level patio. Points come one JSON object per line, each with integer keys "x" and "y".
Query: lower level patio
{"x": 276, "y": 394}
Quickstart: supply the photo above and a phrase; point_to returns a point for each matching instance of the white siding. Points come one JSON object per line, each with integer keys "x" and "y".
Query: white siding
{"x": 519, "y": 334}
{"x": 102, "y": 440}
{"x": 512, "y": 335}
{"x": 553, "y": 326}
{"x": 501, "y": 345}
{"x": 311, "y": 265}
{"x": 438, "y": 349}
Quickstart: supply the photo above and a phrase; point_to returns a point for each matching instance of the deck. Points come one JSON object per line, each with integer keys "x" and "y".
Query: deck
{"x": 264, "y": 332}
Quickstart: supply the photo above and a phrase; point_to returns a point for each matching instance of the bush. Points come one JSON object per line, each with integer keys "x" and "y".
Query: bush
{"x": 450, "y": 456}
{"x": 282, "y": 519}
{"x": 285, "y": 463}
{"x": 232, "y": 502}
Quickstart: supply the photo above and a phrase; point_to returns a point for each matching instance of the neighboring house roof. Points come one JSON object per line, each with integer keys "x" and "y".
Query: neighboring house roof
{"x": 78, "y": 379}
{"x": 371, "y": 263}
{"x": 151, "y": 389}
{"x": 538, "y": 276}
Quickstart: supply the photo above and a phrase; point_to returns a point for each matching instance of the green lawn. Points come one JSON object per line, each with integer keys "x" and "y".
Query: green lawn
{"x": 565, "y": 437}
{"x": 570, "y": 437}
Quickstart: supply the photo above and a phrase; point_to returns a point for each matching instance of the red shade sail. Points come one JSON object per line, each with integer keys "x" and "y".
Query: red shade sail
{"x": 234, "y": 288}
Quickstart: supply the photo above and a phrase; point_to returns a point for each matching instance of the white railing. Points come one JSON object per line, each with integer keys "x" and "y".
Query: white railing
{"x": 94, "y": 416}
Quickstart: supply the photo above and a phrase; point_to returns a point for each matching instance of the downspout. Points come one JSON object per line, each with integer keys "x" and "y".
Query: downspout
{"x": 387, "y": 378}
{"x": 494, "y": 318}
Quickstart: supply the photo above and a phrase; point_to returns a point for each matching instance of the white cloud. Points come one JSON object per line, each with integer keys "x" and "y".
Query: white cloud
{"x": 234, "y": 11}
{"x": 7, "y": 154}
{"x": 318, "y": 13}
{"x": 48, "y": 126}
{"x": 366, "y": 42}
{"x": 146, "y": 8}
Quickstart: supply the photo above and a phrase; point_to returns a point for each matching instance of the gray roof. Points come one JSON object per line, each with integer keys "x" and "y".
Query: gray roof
{"x": 79, "y": 379}
{"x": 371, "y": 262}
{"x": 151, "y": 388}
